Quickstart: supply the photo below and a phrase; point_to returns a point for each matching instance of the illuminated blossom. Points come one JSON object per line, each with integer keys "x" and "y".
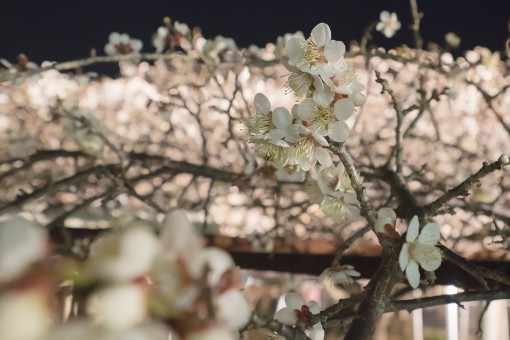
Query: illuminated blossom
{"x": 420, "y": 249}
{"x": 123, "y": 255}
{"x": 338, "y": 76}
{"x": 122, "y": 44}
{"x": 389, "y": 24}
{"x": 452, "y": 39}
{"x": 333, "y": 192}
{"x": 309, "y": 149}
{"x": 327, "y": 120}
{"x": 339, "y": 275}
{"x": 318, "y": 49}
{"x": 297, "y": 312}
{"x": 22, "y": 243}
{"x": 386, "y": 218}
{"x": 118, "y": 307}
{"x": 267, "y": 128}
{"x": 24, "y": 315}
{"x": 221, "y": 49}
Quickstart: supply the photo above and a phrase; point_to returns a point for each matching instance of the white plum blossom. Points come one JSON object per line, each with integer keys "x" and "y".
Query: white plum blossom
{"x": 386, "y": 218}
{"x": 221, "y": 49}
{"x": 420, "y": 250}
{"x": 338, "y": 76}
{"x": 452, "y": 39}
{"x": 284, "y": 131}
{"x": 333, "y": 192}
{"x": 22, "y": 243}
{"x": 388, "y": 24}
{"x": 319, "y": 48}
{"x": 123, "y": 255}
{"x": 309, "y": 149}
{"x": 122, "y": 44}
{"x": 85, "y": 330}
{"x": 233, "y": 308}
{"x": 24, "y": 315}
{"x": 160, "y": 40}
{"x": 185, "y": 265}
{"x": 297, "y": 312}
{"x": 118, "y": 307}
{"x": 326, "y": 120}
{"x": 339, "y": 275}
{"x": 356, "y": 96}
{"x": 268, "y": 127}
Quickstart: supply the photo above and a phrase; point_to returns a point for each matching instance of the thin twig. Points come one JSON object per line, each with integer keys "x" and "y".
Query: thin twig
{"x": 410, "y": 305}
{"x": 461, "y": 190}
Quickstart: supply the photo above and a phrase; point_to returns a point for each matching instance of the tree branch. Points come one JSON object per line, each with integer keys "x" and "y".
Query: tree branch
{"x": 462, "y": 190}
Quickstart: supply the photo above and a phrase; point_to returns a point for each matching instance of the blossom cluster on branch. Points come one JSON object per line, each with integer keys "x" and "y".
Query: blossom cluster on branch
{"x": 92, "y": 167}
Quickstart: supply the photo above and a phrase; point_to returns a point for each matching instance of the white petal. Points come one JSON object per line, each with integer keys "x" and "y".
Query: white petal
{"x": 413, "y": 229}
{"x": 323, "y": 157}
{"x": 357, "y": 86}
{"x": 305, "y": 164}
{"x": 385, "y": 216}
{"x": 433, "y": 260}
{"x": 430, "y": 234}
{"x": 323, "y": 95}
{"x": 287, "y": 316}
{"x": 314, "y": 307}
{"x": 216, "y": 260}
{"x": 276, "y": 134}
{"x": 281, "y": 117}
{"x": 279, "y": 142}
{"x": 413, "y": 274}
{"x": 339, "y": 132}
{"x": 109, "y": 49}
{"x": 384, "y": 16}
{"x": 307, "y": 109}
{"x": 403, "y": 258}
{"x": 321, "y": 34}
{"x": 233, "y": 308}
{"x": 357, "y": 98}
{"x": 343, "y": 109}
{"x": 320, "y": 139}
{"x": 294, "y": 48}
{"x": 262, "y": 104}
{"x": 334, "y": 50}
{"x": 114, "y": 38}
{"x": 136, "y": 44}
{"x": 294, "y": 300}
{"x": 124, "y": 38}
{"x": 353, "y": 212}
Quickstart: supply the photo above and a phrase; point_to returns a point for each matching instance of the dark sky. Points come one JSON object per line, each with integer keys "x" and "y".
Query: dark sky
{"x": 65, "y": 30}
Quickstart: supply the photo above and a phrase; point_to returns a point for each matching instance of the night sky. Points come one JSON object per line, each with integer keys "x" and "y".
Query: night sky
{"x": 66, "y": 30}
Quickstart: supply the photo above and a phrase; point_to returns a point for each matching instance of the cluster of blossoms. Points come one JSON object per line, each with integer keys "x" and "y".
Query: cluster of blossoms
{"x": 333, "y": 192}
{"x": 128, "y": 275}
{"x": 300, "y": 139}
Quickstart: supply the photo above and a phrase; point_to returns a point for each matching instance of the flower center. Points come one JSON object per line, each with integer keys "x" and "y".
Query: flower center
{"x": 303, "y": 315}
{"x": 422, "y": 253}
{"x": 304, "y": 147}
{"x": 324, "y": 116}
